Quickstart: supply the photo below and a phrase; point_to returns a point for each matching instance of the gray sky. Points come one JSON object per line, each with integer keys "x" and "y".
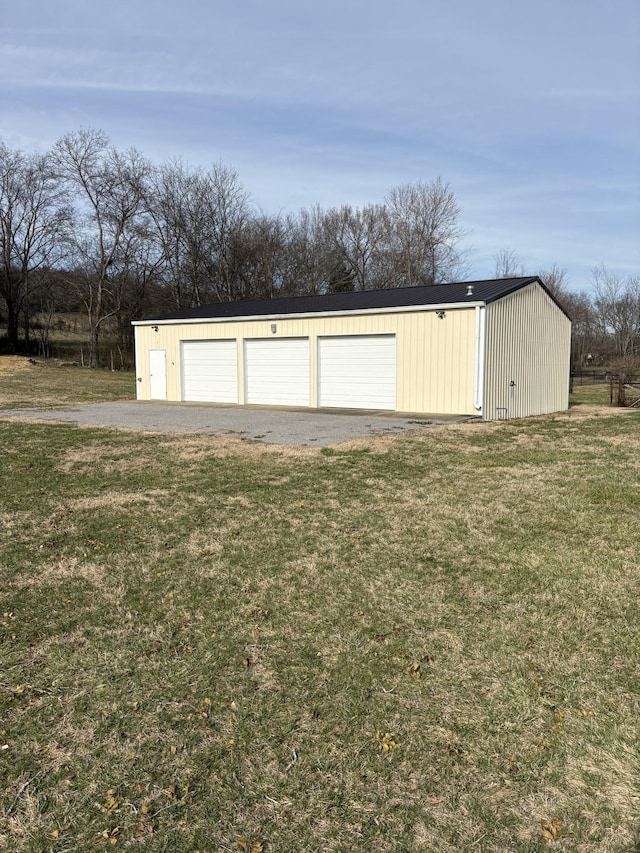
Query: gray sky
{"x": 531, "y": 111}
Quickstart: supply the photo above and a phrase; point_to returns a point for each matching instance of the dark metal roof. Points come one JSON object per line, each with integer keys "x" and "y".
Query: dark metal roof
{"x": 437, "y": 294}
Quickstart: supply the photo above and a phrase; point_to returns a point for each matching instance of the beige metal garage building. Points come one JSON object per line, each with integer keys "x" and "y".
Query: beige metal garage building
{"x": 494, "y": 349}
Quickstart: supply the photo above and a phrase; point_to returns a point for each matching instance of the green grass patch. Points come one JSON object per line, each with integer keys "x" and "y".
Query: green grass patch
{"x": 418, "y": 643}
{"x": 590, "y": 394}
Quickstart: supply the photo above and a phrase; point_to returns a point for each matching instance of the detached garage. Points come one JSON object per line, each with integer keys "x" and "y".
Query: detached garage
{"x": 493, "y": 349}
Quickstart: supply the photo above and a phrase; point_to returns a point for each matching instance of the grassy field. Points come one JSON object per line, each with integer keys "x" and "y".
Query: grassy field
{"x": 417, "y": 643}
{"x": 46, "y": 384}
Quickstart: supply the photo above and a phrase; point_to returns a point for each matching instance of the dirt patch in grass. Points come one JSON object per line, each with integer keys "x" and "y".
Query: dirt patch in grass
{"x": 10, "y": 364}
{"x": 116, "y": 499}
{"x": 196, "y": 449}
{"x": 73, "y": 567}
{"x": 591, "y": 410}
{"x": 99, "y": 455}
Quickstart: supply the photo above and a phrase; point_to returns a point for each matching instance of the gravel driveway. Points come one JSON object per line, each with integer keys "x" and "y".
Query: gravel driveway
{"x": 273, "y": 426}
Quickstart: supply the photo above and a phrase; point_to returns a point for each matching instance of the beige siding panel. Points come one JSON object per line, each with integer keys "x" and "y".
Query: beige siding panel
{"x": 528, "y": 341}
{"x": 435, "y": 358}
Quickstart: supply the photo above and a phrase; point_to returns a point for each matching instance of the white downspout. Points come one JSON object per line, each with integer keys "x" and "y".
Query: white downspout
{"x": 137, "y": 349}
{"x": 478, "y": 379}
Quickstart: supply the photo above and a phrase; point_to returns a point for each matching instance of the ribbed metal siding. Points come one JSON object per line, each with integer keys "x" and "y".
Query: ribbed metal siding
{"x": 528, "y": 340}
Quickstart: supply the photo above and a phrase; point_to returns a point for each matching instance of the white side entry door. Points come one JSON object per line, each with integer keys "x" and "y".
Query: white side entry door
{"x": 157, "y": 374}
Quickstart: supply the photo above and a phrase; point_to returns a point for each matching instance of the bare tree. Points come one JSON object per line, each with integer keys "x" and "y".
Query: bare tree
{"x": 617, "y": 305}
{"x": 168, "y": 201}
{"x": 132, "y": 283}
{"x": 556, "y": 281}
{"x": 309, "y": 255}
{"x": 197, "y": 217}
{"x": 425, "y": 232}
{"x": 110, "y": 188}
{"x": 50, "y": 298}
{"x": 359, "y": 238}
{"x": 34, "y": 220}
{"x": 258, "y": 252}
{"x": 587, "y": 341}
{"x": 507, "y": 264}
{"x": 228, "y": 213}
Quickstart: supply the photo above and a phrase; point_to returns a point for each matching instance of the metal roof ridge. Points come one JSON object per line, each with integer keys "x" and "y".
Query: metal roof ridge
{"x": 350, "y": 301}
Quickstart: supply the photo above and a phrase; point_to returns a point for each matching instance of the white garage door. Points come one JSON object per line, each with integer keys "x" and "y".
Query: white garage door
{"x": 210, "y": 371}
{"x": 277, "y": 371}
{"x": 357, "y": 372}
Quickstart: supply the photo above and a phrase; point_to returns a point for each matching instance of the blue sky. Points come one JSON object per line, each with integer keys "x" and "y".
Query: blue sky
{"x": 531, "y": 111}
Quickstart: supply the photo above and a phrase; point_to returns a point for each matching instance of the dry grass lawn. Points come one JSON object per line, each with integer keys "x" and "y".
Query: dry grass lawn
{"x": 426, "y": 642}
{"x": 46, "y": 384}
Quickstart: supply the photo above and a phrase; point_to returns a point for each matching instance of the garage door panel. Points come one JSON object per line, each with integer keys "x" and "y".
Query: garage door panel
{"x": 278, "y": 371}
{"x": 357, "y": 372}
{"x": 210, "y": 371}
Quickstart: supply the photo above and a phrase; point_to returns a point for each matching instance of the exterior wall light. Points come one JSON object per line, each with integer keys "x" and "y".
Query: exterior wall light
{"x": 155, "y": 328}
{"x": 274, "y": 328}
{"x": 441, "y": 314}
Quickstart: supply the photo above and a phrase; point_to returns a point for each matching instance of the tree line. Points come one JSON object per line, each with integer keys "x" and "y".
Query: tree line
{"x": 87, "y": 227}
